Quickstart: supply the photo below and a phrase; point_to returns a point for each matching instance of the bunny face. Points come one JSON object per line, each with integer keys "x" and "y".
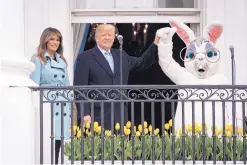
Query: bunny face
{"x": 201, "y": 56}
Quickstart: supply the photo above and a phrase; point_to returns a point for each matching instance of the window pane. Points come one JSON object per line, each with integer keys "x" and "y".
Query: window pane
{"x": 120, "y": 4}
{"x": 175, "y": 3}
{"x": 106, "y": 4}
{"x": 134, "y": 3}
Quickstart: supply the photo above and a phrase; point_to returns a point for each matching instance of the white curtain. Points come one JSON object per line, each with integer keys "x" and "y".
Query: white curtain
{"x": 78, "y": 29}
{"x": 79, "y": 32}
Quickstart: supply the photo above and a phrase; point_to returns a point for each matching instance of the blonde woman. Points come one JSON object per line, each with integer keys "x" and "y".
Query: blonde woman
{"x": 51, "y": 70}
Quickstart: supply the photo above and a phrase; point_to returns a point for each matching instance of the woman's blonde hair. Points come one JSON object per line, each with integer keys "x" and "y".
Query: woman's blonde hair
{"x": 44, "y": 38}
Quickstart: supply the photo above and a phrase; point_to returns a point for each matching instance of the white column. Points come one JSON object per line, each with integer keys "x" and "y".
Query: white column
{"x": 17, "y": 117}
{"x": 232, "y": 14}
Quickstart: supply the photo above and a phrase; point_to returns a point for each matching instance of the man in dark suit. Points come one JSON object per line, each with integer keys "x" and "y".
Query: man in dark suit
{"x": 101, "y": 66}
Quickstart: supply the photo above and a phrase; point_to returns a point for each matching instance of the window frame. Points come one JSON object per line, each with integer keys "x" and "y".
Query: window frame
{"x": 193, "y": 16}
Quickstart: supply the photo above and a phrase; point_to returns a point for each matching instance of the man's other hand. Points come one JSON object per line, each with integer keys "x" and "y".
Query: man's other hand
{"x": 87, "y": 119}
{"x": 156, "y": 40}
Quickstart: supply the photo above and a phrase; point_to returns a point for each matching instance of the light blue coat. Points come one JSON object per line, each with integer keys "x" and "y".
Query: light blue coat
{"x": 54, "y": 73}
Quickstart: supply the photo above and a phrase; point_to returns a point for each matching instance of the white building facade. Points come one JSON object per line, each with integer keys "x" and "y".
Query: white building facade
{"x": 22, "y": 22}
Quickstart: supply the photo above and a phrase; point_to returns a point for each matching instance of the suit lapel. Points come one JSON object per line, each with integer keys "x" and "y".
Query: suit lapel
{"x": 99, "y": 57}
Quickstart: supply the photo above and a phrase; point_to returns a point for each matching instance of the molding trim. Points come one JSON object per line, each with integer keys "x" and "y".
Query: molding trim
{"x": 152, "y": 15}
{"x": 16, "y": 71}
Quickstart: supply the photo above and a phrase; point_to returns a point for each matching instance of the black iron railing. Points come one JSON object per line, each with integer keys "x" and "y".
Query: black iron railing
{"x": 196, "y": 124}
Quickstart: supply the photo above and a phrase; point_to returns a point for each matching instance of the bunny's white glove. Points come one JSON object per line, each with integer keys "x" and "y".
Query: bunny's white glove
{"x": 166, "y": 34}
{"x": 168, "y": 65}
{"x": 165, "y": 45}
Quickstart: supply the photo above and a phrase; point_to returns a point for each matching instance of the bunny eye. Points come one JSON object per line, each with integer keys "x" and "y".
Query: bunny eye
{"x": 190, "y": 55}
{"x": 211, "y": 53}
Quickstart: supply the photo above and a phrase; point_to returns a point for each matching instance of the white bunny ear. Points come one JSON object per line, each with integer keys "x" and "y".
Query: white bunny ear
{"x": 213, "y": 31}
{"x": 183, "y": 31}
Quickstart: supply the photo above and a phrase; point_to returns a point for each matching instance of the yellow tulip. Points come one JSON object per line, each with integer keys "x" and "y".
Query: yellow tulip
{"x": 180, "y": 132}
{"x": 98, "y": 129}
{"x": 128, "y": 124}
{"x": 156, "y": 131}
{"x": 87, "y": 125}
{"x": 117, "y": 126}
{"x": 75, "y": 129}
{"x": 167, "y": 126}
{"x": 200, "y": 128}
{"x": 145, "y": 131}
{"x": 108, "y": 133}
{"x": 86, "y": 131}
{"x": 78, "y": 135}
{"x": 127, "y": 131}
{"x": 228, "y": 127}
{"x": 228, "y": 133}
{"x": 95, "y": 124}
{"x": 150, "y": 128}
{"x": 145, "y": 124}
{"x": 189, "y": 128}
{"x": 138, "y": 134}
{"x": 217, "y": 132}
{"x": 240, "y": 131}
{"x": 197, "y": 129}
{"x": 170, "y": 123}
{"x": 140, "y": 128}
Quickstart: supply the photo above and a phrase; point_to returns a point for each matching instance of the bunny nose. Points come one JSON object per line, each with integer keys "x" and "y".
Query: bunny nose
{"x": 200, "y": 58}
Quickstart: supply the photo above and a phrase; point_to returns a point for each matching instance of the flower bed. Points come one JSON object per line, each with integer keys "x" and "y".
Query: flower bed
{"x": 147, "y": 140}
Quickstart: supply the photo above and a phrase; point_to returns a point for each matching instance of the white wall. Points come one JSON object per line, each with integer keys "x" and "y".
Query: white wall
{"x": 40, "y": 14}
{"x": 230, "y": 13}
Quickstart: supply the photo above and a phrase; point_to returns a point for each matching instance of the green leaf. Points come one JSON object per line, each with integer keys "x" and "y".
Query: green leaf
{"x": 208, "y": 152}
{"x": 219, "y": 156}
